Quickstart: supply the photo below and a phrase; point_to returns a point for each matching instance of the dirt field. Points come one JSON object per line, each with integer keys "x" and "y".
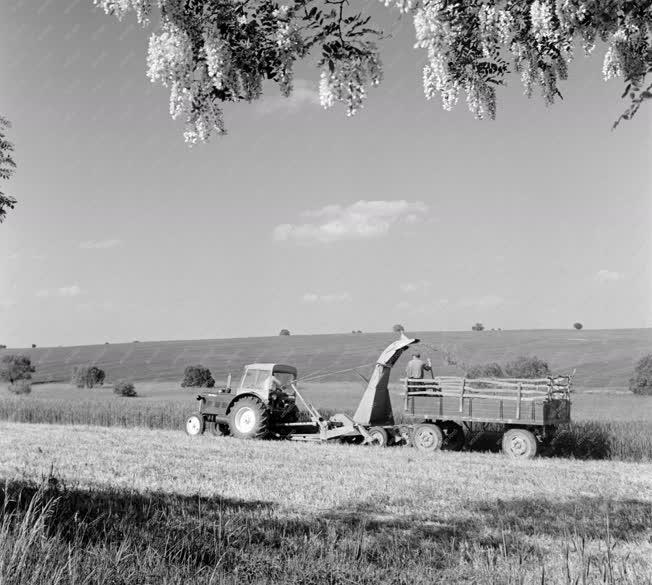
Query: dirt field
{"x": 265, "y": 512}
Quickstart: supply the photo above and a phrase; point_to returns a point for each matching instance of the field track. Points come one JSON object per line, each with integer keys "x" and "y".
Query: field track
{"x": 603, "y": 358}
{"x": 157, "y": 506}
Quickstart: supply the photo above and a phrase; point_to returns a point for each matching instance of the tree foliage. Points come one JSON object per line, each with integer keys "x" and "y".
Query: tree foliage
{"x": 125, "y": 388}
{"x": 527, "y": 367}
{"x": 284, "y": 332}
{"x": 398, "y": 328}
{"x": 477, "y": 327}
{"x": 641, "y": 382}
{"x": 208, "y": 52}
{"x": 197, "y": 377}
{"x": 16, "y": 367}
{"x": 7, "y": 166}
{"x": 20, "y": 387}
{"x": 491, "y": 370}
{"x": 87, "y": 376}
{"x": 578, "y": 325}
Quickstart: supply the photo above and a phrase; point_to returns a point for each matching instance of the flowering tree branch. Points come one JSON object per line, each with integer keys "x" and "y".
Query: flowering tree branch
{"x": 7, "y": 166}
{"x": 212, "y": 51}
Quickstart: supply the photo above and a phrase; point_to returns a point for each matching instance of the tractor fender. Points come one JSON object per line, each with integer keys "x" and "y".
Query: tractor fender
{"x": 241, "y": 396}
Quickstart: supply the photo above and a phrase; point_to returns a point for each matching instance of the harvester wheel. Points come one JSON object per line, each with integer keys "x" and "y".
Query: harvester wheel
{"x": 519, "y": 444}
{"x": 249, "y": 419}
{"x": 195, "y": 425}
{"x": 379, "y": 436}
{"x": 218, "y": 429}
{"x": 427, "y": 437}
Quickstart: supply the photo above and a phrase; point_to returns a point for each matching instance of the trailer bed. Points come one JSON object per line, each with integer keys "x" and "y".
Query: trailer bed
{"x": 523, "y": 402}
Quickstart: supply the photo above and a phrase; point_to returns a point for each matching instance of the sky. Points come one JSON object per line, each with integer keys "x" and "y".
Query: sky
{"x": 302, "y": 218}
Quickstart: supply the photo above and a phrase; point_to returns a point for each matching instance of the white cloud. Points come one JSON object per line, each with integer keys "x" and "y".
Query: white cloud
{"x": 608, "y": 276}
{"x": 304, "y": 94}
{"x": 327, "y": 298}
{"x": 358, "y": 221}
{"x": 64, "y": 291}
{"x": 100, "y": 244}
{"x": 410, "y": 287}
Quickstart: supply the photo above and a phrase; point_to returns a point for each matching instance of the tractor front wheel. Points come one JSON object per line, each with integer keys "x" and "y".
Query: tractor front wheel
{"x": 195, "y": 425}
{"x": 427, "y": 437}
{"x": 249, "y": 419}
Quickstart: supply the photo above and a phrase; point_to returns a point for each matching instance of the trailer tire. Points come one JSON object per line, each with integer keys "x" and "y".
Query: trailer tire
{"x": 519, "y": 444}
{"x": 428, "y": 437}
{"x": 195, "y": 425}
{"x": 249, "y": 419}
{"x": 379, "y": 436}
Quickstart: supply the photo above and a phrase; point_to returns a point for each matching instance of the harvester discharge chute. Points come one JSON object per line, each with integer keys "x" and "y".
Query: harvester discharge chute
{"x": 375, "y": 408}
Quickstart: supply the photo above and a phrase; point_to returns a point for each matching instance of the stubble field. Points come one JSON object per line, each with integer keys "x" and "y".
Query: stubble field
{"x": 138, "y": 506}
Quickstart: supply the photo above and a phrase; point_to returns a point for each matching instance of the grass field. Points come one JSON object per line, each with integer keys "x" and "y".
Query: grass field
{"x": 136, "y": 506}
{"x": 603, "y": 359}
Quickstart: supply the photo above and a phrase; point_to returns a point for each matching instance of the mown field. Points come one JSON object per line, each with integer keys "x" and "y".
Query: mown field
{"x": 603, "y": 358}
{"x": 137, "y": 506}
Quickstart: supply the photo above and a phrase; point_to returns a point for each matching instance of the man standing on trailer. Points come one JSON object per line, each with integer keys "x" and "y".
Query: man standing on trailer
{"x": 416, "y": 367}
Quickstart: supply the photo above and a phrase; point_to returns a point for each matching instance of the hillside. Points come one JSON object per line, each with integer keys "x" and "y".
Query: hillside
{"x": 603, "y": 358}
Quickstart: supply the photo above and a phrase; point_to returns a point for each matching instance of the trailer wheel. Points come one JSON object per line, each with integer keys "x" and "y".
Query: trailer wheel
{"x": 195, "y": 425}
{"x": 519, "y": 444}
{"x": 427, "y": 437}
{"x": 249, "y": 419}
{"x": 379, "y": 436}
{"x": 218, "y": 429}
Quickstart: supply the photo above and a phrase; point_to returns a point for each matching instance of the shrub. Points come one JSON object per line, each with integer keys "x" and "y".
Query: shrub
{"x": 398, "y": 328}
{"x": 20, "y": 387}
{"x": 87, "y": 376}
{"x": 585, "y": 440}
{"x": 641, "y": 382}
{"x": 33, "y": 345}
{"x": 125, "y": 388}
{"x": 16, "y": 367}
{"x": 478, "y": 327}
{"x": 527, "y": 367}
{"x": 578, "y": 326}
{"x": 491, "y": 370}
{"x": 284, "y": 332}
{"x": 197, "y": 377}
{"x": 3, "y": 346}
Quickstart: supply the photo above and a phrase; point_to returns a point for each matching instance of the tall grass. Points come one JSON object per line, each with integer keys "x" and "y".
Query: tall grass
{"x": 584, "y": 439}
{"x": 61, "y": 536}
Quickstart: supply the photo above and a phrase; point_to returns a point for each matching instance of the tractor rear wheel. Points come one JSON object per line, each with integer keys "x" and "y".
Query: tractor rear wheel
{"x": 427, "y": 437}
{"x": 195, "y": 425}
{"x": 379, "y": 436}
{"x": 249, "y": 419}
{"x": 519, "y": 444}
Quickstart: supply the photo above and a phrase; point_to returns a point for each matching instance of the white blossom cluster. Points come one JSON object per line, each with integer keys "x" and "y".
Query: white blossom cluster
{"x": 119, "y": 8}
{"x": 539, "y": 37}
{"x": 348, "y": 80}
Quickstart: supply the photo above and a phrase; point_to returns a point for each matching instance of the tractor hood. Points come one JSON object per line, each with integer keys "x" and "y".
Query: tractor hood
{"x": 375, "y": 408}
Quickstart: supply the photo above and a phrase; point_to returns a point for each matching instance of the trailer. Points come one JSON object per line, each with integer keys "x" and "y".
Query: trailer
{"x": 452, "y": 411}
{"x": 442, "y": 412}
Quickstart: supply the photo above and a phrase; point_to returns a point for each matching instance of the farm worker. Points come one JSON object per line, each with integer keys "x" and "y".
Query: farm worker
{"x": 271, "y": 383}
{"x": 416, "y": 367}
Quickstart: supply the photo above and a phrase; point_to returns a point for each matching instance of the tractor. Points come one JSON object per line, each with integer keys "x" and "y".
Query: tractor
{"x": 263, "y": 405}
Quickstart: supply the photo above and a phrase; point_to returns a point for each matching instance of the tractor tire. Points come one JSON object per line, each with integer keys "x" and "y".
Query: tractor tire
{"x": 218, "y": 429}
{"x": 454, "y": 438}
{"x": 404, "y": 435}
{"x": 519, "y": 444}
{"x": 195, "y": 425}
{"x": 380, "y": 436}
{"x": 249, "y": 419}
{"x": 428, "y": 437}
